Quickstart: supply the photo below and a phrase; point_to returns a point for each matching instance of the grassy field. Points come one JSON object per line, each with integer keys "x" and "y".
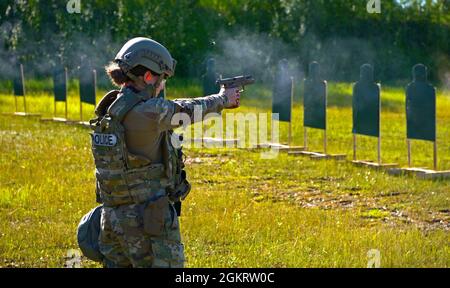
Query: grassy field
{"x": 244, "y": 211}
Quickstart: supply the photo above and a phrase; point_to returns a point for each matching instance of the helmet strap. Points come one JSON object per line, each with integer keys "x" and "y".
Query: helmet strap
{"x": 149, "y": 90}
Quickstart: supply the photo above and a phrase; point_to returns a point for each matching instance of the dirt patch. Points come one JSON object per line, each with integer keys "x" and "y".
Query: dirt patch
{"x": 369, "y": 208}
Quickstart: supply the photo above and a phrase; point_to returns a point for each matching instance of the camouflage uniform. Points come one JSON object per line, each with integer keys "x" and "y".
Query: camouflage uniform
{"x": 123, "y": 239}
{"x": 124, "y": 243}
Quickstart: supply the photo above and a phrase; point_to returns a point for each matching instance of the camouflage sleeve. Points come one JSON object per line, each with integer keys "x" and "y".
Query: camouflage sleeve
{"x": 209, "y": 104}
{"x": 161, "y": 111}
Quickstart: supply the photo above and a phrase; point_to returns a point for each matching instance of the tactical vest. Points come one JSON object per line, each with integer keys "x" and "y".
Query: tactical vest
{"x": 125, "y": 178}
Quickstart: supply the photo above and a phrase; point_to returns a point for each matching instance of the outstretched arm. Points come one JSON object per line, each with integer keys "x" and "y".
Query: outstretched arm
{"x": 162, "y": 111}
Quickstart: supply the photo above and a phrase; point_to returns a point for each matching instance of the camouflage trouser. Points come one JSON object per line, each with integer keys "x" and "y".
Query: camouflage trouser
{"x": 124, "y": 243}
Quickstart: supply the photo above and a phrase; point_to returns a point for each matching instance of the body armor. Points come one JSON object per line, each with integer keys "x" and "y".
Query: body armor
{"x": 125, "y": 178}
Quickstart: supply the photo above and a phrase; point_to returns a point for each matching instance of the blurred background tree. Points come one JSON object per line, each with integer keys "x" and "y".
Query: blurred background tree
{"x": 340, "y": 34}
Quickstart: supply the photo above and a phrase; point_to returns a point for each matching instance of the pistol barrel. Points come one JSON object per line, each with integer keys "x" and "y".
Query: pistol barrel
{"x": 238, "y": 81}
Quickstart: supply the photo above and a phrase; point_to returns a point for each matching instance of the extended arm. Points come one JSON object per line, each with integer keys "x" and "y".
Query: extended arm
{"x": 160, "y": 112}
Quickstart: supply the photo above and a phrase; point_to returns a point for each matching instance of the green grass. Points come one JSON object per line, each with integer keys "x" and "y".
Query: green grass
{"x": 244, "y": 211}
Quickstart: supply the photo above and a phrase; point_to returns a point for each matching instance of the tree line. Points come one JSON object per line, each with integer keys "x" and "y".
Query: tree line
{"x": 340, "y": 34}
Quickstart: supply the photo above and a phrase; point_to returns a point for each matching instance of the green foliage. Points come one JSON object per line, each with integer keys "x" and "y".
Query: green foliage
{"x": 340, "y": 34}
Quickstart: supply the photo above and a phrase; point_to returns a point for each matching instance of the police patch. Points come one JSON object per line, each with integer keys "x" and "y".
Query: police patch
{"x": 104, "y": 139}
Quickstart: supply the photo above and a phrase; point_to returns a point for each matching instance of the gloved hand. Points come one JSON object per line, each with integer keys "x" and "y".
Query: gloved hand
{"x": 232, "y": 95}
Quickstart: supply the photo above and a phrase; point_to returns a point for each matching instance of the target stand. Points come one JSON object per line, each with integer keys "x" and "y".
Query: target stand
{"x": 282, "y": 101}
{"x": 366, "y": 102}
{"x": 283, "y": 147}
{"x": 88, "y": 91}
{"x": 19, "y": 90}
{"x": 375, "y": 165}
{"x": 421, "y": 123}
{"x": 60, "y": 95}
{"x": 317, "y": 155}
{"x": 315, "y": 113}
{"x": 419, "y": 172}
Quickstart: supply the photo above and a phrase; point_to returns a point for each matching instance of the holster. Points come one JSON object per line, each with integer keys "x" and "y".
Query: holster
{"x": 177, "y": 206}
{"x": 173, "y": 159}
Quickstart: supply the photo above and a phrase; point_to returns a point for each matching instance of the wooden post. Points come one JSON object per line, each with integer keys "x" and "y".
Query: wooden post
{"x": 305, "y": 138}
{"x": 379, "y": 149}
{"x": 292, "y": 105}
{"x": 272, "y": 121}
{"x": 15, "y": 101}
{"x": 409, "y": 152}
{"x": 354, "y": 147}
{"x": 290, "y": 133}
{"x": 54, "y": 98}
{"x": 24, "y": 103}
{"x": 379, "y": 125}
{"x": 23, "y": 87}
{"x": 325, "y": 140}
{"x": 95, "y": 87}
{"x": 67, "y": 96}
{"x": 435, "y": 160}
{"x": 435, "y": 155}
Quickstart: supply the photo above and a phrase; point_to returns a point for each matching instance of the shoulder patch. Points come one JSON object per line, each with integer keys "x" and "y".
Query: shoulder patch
{"x": 100, "y": 139}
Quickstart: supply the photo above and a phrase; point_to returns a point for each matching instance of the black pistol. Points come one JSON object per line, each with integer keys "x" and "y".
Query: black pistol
{"x": 238, "y": 81}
